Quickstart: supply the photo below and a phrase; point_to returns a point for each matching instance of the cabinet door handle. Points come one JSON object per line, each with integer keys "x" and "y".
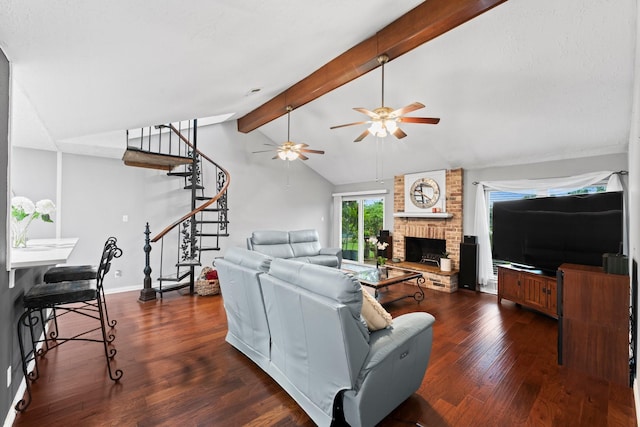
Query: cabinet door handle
{"x": 544, "y": 290}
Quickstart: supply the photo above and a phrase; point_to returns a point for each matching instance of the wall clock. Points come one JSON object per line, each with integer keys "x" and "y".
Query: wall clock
{"x": 425, "y": 192}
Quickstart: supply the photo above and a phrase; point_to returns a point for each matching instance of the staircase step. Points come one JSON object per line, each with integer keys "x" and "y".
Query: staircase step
{"x": 204, "y": 197}
{"x": 212, "y": 235}
{"x": 181, "y": 174}
{"x": 209, "y": 248}
{"x": 172, "y": 287}
{"x": 145, "y": 159}
{"x": 173, "y": 278}
{"x": 189, "y": 263}
{"x": 214, "y": 210}
{"x": 212, "y": 222}
{"x": 197, "y": 186}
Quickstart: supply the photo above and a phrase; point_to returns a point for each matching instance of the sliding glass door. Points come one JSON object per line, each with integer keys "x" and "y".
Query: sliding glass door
{"x": 362, "y": 217}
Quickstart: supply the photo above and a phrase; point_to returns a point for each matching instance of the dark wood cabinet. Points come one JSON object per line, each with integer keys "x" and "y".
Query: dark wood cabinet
{"x": 530, "y": 289}
{"x": 593, "y": 334}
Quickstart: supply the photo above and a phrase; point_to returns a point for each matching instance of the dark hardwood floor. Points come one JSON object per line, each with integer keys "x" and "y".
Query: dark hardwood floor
{"x": 491, "y": 365}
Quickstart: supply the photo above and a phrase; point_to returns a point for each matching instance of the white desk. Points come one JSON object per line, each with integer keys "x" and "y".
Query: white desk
{"x": 42, "y": 252}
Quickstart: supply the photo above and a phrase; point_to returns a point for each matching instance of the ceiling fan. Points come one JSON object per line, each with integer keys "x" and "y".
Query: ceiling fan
{"x": 384, "y": 120}
{"x": 290, "y": 150}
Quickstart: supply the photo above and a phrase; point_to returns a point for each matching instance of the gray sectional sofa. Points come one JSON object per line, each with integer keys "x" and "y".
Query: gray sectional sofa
{"x": 301, "y": 324}
{"x": 299, "y": 245}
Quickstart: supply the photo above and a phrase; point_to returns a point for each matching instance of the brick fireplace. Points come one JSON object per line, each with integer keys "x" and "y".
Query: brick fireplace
{"x": 447, "y": 229}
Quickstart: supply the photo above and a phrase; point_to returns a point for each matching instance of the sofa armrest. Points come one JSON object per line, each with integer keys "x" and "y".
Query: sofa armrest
{"x": 393, "y": 370}
{"x": 333, "y": 251}
{"x": 384, "y": 342}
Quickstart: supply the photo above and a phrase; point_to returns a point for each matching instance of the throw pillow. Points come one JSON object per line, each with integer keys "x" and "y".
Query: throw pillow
{"x": 373, "y": 313}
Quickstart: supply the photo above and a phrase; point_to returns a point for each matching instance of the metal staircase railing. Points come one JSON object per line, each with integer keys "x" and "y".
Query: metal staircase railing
{"x": 207, "y": 221}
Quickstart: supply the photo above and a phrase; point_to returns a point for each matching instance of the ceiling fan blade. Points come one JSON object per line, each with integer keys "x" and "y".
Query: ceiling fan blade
{"x": 275, "y": 157}
{"x": 361, "y": 136}
{"x": 306, "y": 150}
{"x": 399, "y": 133}
{"x": 348, "y": 124}
{"x": 271, "y": 144}
{"x": 425, "y": 120}
{"x": 367, "y": 112}
{"x": 302, "y": 156}
{"x": 404, "y": 110}
{"x": 261, "y": 151}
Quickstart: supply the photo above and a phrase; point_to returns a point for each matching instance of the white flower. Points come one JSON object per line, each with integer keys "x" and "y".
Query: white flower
{"x": 22, "y": 206}
{"x": 45, "y": 207}
{"x": 380, "y": 245}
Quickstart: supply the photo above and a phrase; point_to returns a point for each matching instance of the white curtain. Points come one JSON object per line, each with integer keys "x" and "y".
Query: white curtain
{"x": 526, "y": 186}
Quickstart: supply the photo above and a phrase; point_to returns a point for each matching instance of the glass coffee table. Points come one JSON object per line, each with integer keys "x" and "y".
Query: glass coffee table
{"x": 371, "y": 277}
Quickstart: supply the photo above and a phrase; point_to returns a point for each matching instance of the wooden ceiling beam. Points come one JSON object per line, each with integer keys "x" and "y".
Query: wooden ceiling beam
{"x": 421, "y": 24}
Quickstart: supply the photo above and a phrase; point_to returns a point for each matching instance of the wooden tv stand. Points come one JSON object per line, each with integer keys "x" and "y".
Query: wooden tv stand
{"x": 529, "y": 288}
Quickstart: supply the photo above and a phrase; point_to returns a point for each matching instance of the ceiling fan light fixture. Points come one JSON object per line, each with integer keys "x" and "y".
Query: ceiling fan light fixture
{"x": 377, "y": 129}
{"x": 382, "y": 128}
{"x": 391, "y": 125}
{"x": 289, "y": 155}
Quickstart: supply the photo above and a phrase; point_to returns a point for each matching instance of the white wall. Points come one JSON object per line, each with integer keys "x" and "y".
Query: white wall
{"x": 97, "y": 192}
{"x": 34, "y": 177}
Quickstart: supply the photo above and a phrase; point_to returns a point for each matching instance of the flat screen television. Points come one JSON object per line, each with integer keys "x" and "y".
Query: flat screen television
{"x": 545, "y": 232}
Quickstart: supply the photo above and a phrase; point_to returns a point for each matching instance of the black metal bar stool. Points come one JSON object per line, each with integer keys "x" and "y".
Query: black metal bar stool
{"x": 84, "y": 297}
{"x": 70, "y": 273}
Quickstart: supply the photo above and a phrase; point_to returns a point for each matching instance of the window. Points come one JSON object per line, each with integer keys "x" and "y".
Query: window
{"x": 361, "y": 218}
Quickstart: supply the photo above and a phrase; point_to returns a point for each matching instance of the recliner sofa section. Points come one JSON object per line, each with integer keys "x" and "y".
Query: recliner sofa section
{"x": 299, "y": 245}
{"x": 319, "y": 350}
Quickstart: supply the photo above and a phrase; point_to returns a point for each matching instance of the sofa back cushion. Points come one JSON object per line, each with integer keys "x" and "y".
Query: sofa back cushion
{"x": 304, "y": 243}
{"x": 251, "y": 260}
{"x": 272, "y": 243}
{"x": 317, "y": 339}
{"x": 239, "y": 274}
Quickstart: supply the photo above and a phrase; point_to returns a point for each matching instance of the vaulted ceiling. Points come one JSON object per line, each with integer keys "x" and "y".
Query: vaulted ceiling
{"x": 526, "y": 81}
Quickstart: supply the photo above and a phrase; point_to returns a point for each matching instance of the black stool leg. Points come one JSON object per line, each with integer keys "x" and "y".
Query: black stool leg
{"x": 26, "y": 319}
{"x": 109, "y": 353}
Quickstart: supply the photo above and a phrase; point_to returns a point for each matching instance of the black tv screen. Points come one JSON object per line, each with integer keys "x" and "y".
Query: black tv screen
{"x": 545, "y": 232}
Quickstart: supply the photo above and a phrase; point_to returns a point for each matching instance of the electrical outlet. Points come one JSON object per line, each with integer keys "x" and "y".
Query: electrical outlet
{"x": 125, "y": 218}
{"x": 9, "y": 376}
{"x": 117, "y": 274}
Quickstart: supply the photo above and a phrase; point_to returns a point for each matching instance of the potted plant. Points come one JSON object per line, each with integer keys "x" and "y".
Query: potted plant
{"x": 445, "y": 262}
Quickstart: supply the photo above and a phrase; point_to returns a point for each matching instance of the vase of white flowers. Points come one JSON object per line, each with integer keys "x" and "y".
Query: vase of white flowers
{"x": 380, "y": 259}
{"x": 23, "y": 212}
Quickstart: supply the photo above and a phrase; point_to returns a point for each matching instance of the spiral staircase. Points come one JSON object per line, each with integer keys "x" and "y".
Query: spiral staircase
{"x": 173, "y": 148}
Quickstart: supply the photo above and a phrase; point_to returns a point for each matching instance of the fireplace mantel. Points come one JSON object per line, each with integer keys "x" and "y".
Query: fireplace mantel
{"x": 438, "y": 215}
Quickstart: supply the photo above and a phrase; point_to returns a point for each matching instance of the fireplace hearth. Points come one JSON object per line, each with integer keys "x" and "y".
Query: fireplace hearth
{"x": 424, "y": 250}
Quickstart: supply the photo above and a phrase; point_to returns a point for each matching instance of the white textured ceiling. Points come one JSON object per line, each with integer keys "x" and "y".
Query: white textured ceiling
{"x": 526, "y": 81}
